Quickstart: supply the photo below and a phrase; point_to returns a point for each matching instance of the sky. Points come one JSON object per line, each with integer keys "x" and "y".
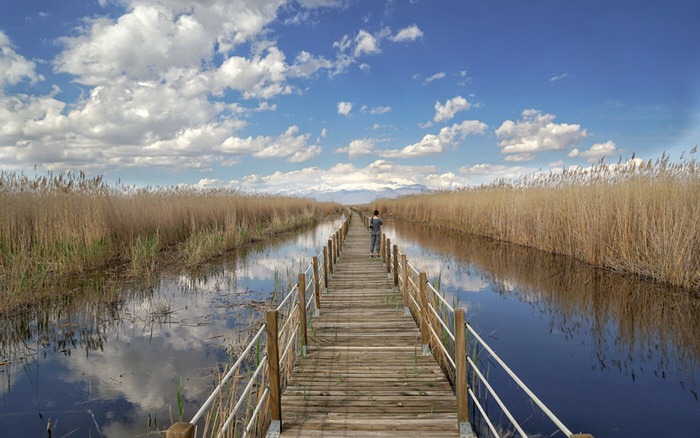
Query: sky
{"x": 325, "y": 98}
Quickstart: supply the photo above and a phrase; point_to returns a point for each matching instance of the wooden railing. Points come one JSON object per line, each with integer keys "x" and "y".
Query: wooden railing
{"x": 447, "y": 336}
{"x": 234, "y": 410}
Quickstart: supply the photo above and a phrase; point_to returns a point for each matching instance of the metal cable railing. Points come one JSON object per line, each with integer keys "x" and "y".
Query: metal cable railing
{"x": 432, "y": 313}
{"x": 229, "y": 397}
{"x": 439, "y": 312}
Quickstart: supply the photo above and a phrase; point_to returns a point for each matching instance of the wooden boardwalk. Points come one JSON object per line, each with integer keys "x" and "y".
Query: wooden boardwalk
{"x": 364, "y": 373}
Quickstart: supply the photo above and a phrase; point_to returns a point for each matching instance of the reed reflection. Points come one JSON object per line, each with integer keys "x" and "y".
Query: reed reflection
{"x": 121, "y": 344}
{"x": 640, "y": 317}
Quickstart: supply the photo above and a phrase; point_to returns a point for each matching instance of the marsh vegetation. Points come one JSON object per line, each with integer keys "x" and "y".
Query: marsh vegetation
{"x": 636, "y": 217}
{"x": 59, "y": 225}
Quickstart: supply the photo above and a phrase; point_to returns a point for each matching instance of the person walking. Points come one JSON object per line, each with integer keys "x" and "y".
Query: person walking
{"x": 375, "y": 227}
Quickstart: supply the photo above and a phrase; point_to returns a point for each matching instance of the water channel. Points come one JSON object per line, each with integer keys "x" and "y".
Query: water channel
{"x": 611, "y": 355}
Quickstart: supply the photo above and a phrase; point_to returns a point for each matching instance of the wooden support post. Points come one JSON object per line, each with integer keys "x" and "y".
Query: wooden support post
{"x": 273, "y": 363}
{"x": 317, "y": 288}
{"x": 180, "y": 430}
{"x": 334, "y": 256}
{"x": 424, "y": 314}
{"x": 302, "y": 313}
{"x": 461, "y": 373}
{"x": 388, "y": 255}
{"x": 381, "y": 247}
{"x": 325, "y": 267}
{"x": 337, "y": 245}
{"x": 330, "y": 256}
{"x": 396, "y": 265}
{"x": 404, "y": 284}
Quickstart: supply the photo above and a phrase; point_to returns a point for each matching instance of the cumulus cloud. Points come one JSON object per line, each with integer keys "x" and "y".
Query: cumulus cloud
{"x": 378, "y": 175}
{"x": 410, "y": 33}
{"x": 596, "y": 152}
{"x": 153, "y": 94}
{"x": 140, "y": 44}
{"x": 290, "y": 145}
{"x": 362, "y": 146}
{"x": 344, "y": 108}
{"x": 447, "y": 111}
{"x": 448, "y": 137}
{"x": 491, "y": 172}
{"x": 305, "y": 65}
{"x": 14, "y": 68}
{"x": 365, "y": 44}
{"x": 262, "y": 76}
{"x": 537, "y": 132}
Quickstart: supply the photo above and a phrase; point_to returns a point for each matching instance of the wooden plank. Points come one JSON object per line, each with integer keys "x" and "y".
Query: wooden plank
{"x": 364, "y": 373}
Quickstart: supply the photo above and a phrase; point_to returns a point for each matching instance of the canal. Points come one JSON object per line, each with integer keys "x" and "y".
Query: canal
{"x": 611, "y": 355}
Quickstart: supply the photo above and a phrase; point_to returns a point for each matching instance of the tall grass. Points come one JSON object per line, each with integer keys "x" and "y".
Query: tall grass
{"x": 638, "y": 217}
{"x": 64, "y": 224}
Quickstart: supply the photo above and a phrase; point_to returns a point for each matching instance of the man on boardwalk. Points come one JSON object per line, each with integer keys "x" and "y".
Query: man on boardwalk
{"x": 375, "y": 226}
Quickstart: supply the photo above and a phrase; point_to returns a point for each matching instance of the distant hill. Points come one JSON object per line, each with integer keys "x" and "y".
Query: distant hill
{"x": 353, "y": 197}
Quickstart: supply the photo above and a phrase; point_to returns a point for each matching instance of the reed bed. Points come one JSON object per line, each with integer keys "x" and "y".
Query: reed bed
{"x": 66, "y": 224}
{"x": 637, "y": 217}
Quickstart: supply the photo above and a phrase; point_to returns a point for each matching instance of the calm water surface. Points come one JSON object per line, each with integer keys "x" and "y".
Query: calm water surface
{"x": 109, "y": 364}
{"x": 610, "y": 355}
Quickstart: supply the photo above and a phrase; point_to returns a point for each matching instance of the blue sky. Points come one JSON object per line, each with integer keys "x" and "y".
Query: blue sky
{"x": 311, "y": 97}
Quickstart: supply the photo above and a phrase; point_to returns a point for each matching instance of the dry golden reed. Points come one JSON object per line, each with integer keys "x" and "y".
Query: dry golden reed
{"x": 69, "y": 223}
{"x": 639, "y": 217}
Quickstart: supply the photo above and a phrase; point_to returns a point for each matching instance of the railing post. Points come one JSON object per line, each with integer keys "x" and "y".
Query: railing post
{"x": 274, "y": 370}
{"x": 424, "y": 313}
{"x": 396, "y": 265}
{"x": 404, "y": 284}
{"x": 302, "y": 312}
{"x": 180, "y": 430}
{"x": 330, "y": 256}
{"x": 461, "y": 387}
{"x": 388, "y": 256}
{"x": 325, "y": 267}
{"x": 317, "y": 288}
{"x": 381, "y": 247}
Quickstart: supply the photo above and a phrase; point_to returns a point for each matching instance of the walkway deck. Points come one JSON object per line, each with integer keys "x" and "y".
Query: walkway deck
{"x": 364, "y": 374}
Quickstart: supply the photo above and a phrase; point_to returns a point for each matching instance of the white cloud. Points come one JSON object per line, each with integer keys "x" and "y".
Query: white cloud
{"x": 558, "y": 77}
{"x": 410, "y": 33}
{"x": 448, "y": 137}
{"x": 434, "y": 77}
{"x": 596, "y": 152}
{"x": 380, "y": 110}
{"x": 344, "y": 108}
{"x": 261, "y": 76}
{"x": 516, "y": 158}
{"x": 106, "y": 49}
{"x": 447, "y": 111}
{"x": 537, "y": 132}
{"x": 14, "y": 68}
{"x": 365, "y": 43}
{"x": 321, "y": 3}
{"x": 290, "y": 145}
{"x": 362, "y": 146}
{"x": 485, "y": 173}
{"x": 305, "y": 65}
{"x": 350, "y": 49}
{"x": 378, "y": 175}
